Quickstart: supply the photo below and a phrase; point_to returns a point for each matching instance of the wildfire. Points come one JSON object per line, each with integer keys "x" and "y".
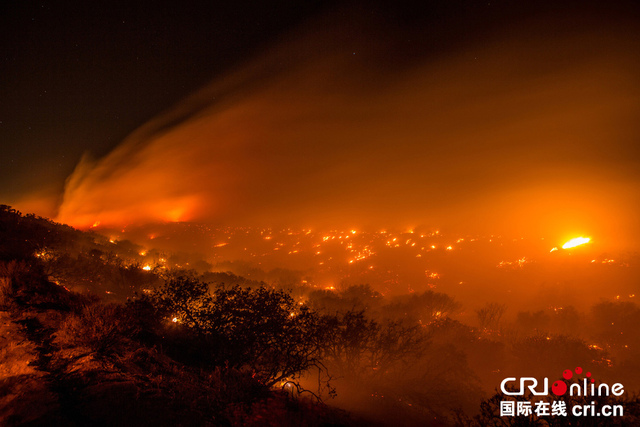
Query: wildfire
{"x": 576, "y": 242}
{"x": 432, "y": 275}
{"x": 517, "y": 263}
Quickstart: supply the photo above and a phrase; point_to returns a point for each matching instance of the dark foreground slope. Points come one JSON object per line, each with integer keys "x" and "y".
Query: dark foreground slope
{"x": 70, "y": 359}
{"x": 88, "y": 336}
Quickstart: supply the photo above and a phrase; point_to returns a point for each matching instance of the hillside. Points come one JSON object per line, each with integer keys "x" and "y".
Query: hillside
{"x": 91, "y": 336}
{"x": 69, "y": 358}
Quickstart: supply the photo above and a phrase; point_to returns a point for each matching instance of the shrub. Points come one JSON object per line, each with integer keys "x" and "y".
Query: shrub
{"x": 262, "y": 330}
{"x": 99, "y": 327}
{"x": 6, "y": 291}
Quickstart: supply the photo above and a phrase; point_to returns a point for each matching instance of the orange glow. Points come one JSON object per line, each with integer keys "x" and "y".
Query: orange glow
{"x": 578, "y": 241}
{"x": 175, "y": 215}
{"x": 320, "y": 187}
{"x": 200, "y": 161}
{"x": 432, "y": 275}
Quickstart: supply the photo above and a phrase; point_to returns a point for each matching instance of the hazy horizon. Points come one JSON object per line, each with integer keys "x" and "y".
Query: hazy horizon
{"x": 526, "y": 129}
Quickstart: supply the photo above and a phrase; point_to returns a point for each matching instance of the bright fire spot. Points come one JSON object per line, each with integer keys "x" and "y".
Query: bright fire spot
{"x": 147, "y": 268}
{"x": 553, "y": 249}
{"x": 432, "y": 275}
{"x": 176, "y": 214}
{"x": 174, "y": 320}
{"x": 576, "y": 242}
{"x": 95, "y": 224}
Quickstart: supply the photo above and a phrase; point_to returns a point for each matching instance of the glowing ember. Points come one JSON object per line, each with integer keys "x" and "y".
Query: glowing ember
{"x": 576, "y": 242}
{"x": 147, "y": 268}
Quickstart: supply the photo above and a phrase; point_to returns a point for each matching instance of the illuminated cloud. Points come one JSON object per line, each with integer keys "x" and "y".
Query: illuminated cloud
{"x": 520, "y": 132}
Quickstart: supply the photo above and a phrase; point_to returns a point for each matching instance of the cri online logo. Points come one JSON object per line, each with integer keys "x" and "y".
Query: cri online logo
{"x": 559, "y": 388}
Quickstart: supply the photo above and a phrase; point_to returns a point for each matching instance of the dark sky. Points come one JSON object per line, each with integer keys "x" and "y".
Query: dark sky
{"x": 467, "y": 113}
{"x": 80, "y": 76}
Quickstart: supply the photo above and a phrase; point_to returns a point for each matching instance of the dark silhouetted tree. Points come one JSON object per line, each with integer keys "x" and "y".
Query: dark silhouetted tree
{"x": 263, "y": 330}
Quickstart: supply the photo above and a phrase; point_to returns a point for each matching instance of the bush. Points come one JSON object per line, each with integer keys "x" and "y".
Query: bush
{"x": 6, "y": 291}
{"x": 99, "y": 327}
{"x": 262, "y": 330}
{"x": 13, "y": 275}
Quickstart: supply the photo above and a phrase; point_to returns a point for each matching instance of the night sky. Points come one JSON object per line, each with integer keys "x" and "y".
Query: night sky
{"x": 80, "y": 77}
{"x": 485, "y": 115}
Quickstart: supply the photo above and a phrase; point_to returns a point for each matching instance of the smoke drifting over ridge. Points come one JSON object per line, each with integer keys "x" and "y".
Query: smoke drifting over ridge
{"x": 531, "y": 129}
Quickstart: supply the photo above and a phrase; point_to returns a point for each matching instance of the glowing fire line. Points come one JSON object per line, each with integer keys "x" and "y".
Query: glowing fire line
{"x": 576, "y": 242}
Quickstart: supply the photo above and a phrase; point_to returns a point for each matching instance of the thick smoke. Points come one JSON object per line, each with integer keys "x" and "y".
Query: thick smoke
{"x": 528, "y": 129}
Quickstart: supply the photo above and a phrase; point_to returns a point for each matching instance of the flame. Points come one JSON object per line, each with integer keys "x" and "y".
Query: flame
{"x": 576, "y": 242}
{"x": 200, "y": 161}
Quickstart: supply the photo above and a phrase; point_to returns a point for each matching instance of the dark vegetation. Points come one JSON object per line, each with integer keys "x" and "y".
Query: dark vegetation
{"x": 90, "y": 338}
